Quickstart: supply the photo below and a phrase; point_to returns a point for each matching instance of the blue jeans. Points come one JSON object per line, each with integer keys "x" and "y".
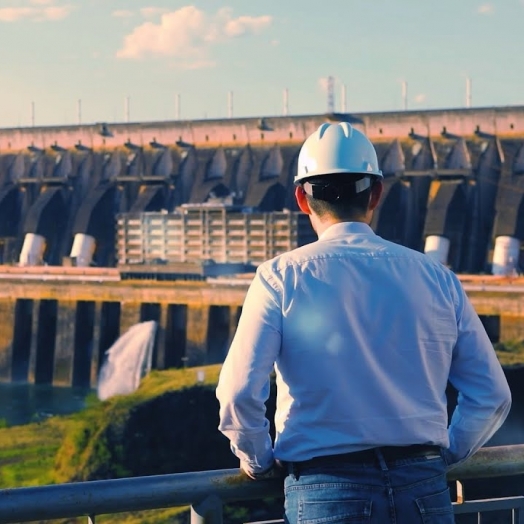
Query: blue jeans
{"x": 404, "y": 491}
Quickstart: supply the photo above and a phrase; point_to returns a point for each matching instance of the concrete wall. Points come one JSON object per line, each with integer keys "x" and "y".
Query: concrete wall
{"x": 61, "y": 181}
{"x": 502, "y": 121}
{"x": 54, "y": 334}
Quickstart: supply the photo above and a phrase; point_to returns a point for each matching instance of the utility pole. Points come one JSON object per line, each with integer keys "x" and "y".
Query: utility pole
{"x": 177, "y": 107}
{"x": 330, "y": 95}
{"x": 230, "y": 104}
{"x": 468, "y": 92}
{"x": 343, "y": 96}
{"x": 286, "y": 102}
{"x": 405, "y": 95}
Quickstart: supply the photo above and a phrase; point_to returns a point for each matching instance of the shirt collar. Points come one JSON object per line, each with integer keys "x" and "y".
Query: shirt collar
{"x": 346, "y": 228}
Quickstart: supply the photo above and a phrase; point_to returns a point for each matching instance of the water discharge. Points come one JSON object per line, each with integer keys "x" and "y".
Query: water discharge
{"x": 127, "y": 361}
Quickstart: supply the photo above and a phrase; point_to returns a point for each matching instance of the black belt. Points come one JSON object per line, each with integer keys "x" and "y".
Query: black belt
{"x": 390, "y": 454}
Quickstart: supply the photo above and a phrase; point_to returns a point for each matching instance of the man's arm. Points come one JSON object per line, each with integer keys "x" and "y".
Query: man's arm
{"x": 484, "y": 397}
{"x": 243, "y": 387}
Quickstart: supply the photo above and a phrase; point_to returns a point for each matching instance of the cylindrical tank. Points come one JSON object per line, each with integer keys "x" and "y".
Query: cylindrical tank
{"x": 83, "y": 249}
{"x": 437, "y": 248}
{"x": 505, "y": 255}
{"x": 32, "y": 253}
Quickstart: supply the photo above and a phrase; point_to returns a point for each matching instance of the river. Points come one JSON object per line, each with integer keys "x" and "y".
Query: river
{"x": 23, "y": 403}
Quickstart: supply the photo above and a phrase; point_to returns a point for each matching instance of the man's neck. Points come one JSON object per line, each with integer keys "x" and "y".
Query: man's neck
{"x": 320, "y": 225}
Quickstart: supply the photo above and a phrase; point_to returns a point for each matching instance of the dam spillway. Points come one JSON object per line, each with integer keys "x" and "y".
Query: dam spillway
{"x": 454, "y": 186}
{"x": 449, "y": 174}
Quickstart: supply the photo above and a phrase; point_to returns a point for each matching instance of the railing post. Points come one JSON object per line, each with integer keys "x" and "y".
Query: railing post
{"x": 209, "y": 511}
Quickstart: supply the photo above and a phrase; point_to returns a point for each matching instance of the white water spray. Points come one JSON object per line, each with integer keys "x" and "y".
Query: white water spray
{"x": 127, "y": 361}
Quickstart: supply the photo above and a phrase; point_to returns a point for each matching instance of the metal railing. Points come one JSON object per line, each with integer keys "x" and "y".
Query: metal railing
{"x": 207, "y": 491}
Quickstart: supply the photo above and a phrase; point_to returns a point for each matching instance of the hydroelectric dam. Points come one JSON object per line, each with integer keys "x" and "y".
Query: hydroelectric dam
{"x": 106, "y": 225}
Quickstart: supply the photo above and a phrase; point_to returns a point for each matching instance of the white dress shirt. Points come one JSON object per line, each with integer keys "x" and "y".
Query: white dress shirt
{"x": 363, "y": 335}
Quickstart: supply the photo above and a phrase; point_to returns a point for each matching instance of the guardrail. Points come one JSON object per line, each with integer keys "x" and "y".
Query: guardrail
{"x": 207, "y": 491}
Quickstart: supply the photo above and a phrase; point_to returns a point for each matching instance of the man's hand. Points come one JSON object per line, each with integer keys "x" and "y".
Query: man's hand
{"x": 274, "y": 471}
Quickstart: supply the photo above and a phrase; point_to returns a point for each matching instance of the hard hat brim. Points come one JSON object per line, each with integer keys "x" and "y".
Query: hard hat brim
{"x": 311, "y": 174}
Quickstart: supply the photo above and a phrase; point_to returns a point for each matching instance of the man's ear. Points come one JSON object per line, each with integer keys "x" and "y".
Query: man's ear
{"x": 302, "y": 202}
{"x": 376, "y": 193}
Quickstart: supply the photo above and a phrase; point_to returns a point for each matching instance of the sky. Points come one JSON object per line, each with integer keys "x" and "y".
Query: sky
{"x": 66, "y": 62}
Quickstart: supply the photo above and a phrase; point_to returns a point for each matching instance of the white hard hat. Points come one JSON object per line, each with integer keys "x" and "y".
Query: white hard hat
{"x": 337, "y": 148}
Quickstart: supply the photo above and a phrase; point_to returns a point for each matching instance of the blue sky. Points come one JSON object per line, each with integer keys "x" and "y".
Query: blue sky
{"x": 113, "y": 54}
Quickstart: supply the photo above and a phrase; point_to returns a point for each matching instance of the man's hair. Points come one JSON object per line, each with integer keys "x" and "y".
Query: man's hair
{"x": 349, "y": 206}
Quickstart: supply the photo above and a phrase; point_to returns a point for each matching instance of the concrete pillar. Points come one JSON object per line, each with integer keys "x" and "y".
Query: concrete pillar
{"x": 196, "y": 345}
{"x": 95, "y": 351}
{"x": 43, "y": 341}
{"x": 7, "y": 314}
{"x": 437, "y": 248}
{"x": 129, "y": 315}
{"x": 32, "y": 253}
{"x": 34, "y": 342}
{"x": 109, "y": 332}
{"x": 83, "y": 249}
{"x": 234, "y": 317}
{"x": 65, "y": 342}
{"x": 152, "y": 311}
{"x": 159, "y": 358}
{"x": 511, "y": 328}
{"x": 505, "y": 256}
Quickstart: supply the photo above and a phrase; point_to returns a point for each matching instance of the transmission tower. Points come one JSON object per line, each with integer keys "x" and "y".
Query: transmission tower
{"x": 330, "y": 95}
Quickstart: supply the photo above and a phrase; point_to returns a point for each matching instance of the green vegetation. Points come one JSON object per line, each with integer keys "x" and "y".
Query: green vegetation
{"x": 27, "y": 453}
{"x": 510, "y": 352}
{"x": 169, "y": 425}
{"x": 75, "y": 447}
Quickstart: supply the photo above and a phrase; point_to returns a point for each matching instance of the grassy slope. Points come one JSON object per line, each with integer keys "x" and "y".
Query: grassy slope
{"x": 510, "y": 353}
{"x": 28, "y": 454}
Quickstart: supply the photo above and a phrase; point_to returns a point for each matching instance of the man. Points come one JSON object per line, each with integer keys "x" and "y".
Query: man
{"x": 363, "y": 335}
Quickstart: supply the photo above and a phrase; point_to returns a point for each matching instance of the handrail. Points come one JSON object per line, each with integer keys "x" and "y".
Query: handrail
{"x": 191, "y": 489}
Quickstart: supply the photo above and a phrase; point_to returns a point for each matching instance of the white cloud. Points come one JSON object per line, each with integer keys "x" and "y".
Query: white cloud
{"x": 420, "y": 98}
{"x": 36, "y": 10}
{"x": 55, "y": 13}
{"x": 187, "y": 34}
{"x": 486, "y": 9}
{"x": 122, "y": 13}
{"x": 246, "y": 24}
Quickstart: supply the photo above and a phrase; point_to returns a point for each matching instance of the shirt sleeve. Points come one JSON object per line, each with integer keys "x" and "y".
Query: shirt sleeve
{"x": 243, "y": 386}
{"x": 484, "y": 397}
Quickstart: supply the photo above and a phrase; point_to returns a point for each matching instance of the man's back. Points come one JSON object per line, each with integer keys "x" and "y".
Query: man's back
{"x": 364, "y": 336}
{"x": 368, "y": 330}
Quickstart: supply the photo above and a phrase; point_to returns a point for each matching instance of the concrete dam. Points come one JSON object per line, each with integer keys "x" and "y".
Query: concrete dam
{"x": 454, "y": 188}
